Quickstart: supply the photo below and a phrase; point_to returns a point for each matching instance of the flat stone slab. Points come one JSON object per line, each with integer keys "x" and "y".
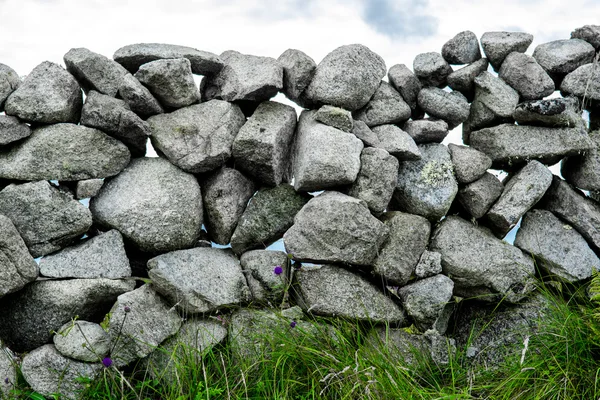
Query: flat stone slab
{"x": 469, "y": 164}
{"x": 478, "y": 196}
{"x": 427, "y": 130}
{"x": 451, "y": 107}
{"x": 498, "y": 45}
{"x": 560, "y": 57}
{"x": 170, "y": 81}
{"x": 526, "y": 76}
{"x": 12, "y": 129}
{"x": 9, "y": 82}
{"x": 397, "y": 142}
{"x": 18, "y": 267}
{"x": 82, "y": 341}
{"x": 94, "y": 71}
{"x": 559, "y": 112}
{"x": 463, "y": 48}
{"x": 385, "y": 107}
{"x": 298, "y": 71}
{"x": 431, "y": 69}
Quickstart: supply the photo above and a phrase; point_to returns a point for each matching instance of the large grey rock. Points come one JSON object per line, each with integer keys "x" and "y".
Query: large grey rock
{"x": 171, "y": 81}
{"x": 139, "y": 321}
{"x": 334, "y": 116}
{"x": 556, "y": 246}
{"x": 364, "y": 133}
{"x": 134, "y": 55}
{"x": 46, "y": 218}
{"x": 197, "y": 138}
{"x": 48, "y": 95}
{"x": 400, "y": 253}
{"x": 425, "y": 301}
{"x": 559, "y": 112}
{"x": 526, "y": 76}
{"x": 426, "y": 187}
{"x": 65, "y": 152}
{"x": 135, "y": 202}
{"x": 48, "y": 372}
{"x": 244, "y": 78}
{"x": 560, "y": 57}
{"x": 522, "y": 191}
{"x": 268, "y": 215}
{"x": 95, "y": 71}
{"x": 480, "y": 265}
{"x": 102, "y": 256}
{"x": 225, "y": 195}
{"x": 330, "y": 290}
{"x": 82, "y": 341}
{"x": 18, "y": 267}
{"x": 397, "y": 142}
{"x": 347, "y": 77}
{"x": 259, "y": 267}
{"x": 8, "y": 362}
{"x": 376, "y": 180}
{"x": 298, "y": 70}
{"x": 407, "y": 84}
{"x": 431, "y": 69}
{"x": 477, "y": 197}
{"x": 430, "y": 264}
{"x": 463, "y": 79}
{"x": 9, "y": 82}
{"x": 138, "y": 97}
{"x": 589, "y": 33}
{"x": 427, "y": 130}
{"x": 88, "y": 188}
{"x": 498, "y": 45}
{"x": 462, "y": 49}
{"x": 385, "y": 107}
{"x": 262, "y": 146}
{"x": 584, "y": 171}
{"x": 199, "y": 280}
{"x": 30, "y": 316}
{"x": 452, "y": 107}
{"x": 11, "y": 129}
{"x": 469, "y": 164}
{"x": 355, "y": 240}
{"x": 322, "y": 156}
{"x": 584, "y": 83}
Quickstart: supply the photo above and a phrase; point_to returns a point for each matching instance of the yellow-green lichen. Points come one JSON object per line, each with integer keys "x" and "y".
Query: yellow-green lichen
{"x": 435, "y": 173}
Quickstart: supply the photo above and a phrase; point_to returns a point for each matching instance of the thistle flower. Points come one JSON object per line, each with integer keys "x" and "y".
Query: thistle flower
{"x": 278, "y": 270}
{"x": 127, "y": 309}
{"x": 107, "y": 362}
{"x": 293, "y": 324}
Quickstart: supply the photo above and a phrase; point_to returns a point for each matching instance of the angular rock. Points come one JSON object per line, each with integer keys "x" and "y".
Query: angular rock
{"x": 102, "y": 256}
{"x": 46, "y": 218}
{"x": 397, "y": 142}
{"x": 11, "y": 130}
{"x": 426, "y": 299}
{"x": 88, "y": 188}
{"x": 452, "y": 107}
{"x": 589, "y": 33}
{"x": 355, "y": 238}
{"x": 426, "y": 187}
{"x": 469, "y": 164}
{"x": 48, "y": 95}
{"x": 385, "y": 107}
{"x": 347, "y": 77}
{"x": 9, "y": 82}
{"x": 584, "y": 171}
{"x": 171, "y": 81}
{"x": 298, "y": 71}
{"x": 364, "y": 133}
{"x": 407, "y": 84}
{"x": 329, "y": 290}
{"x": 134, "y": 55}
{"x": 65, "y": 152}
{"x": 268, "y": 215}
{"x": 556, "y": 246}
{"x": 584, "y": 83}
{"x": 430, "y": 264}
{"x": 135, "y": 201}
{"x": 197, "y": 138}
{"x": 498, "y": 45}
{"x": 30, "y": 316}
{"x": 560, "y": 112}
{"x": 95, "y": 71}
{"x": 526, "y": 76}
{"x": 18, "y": 267}
{"x": 427, "y": 130}
{"x": 82, "y": 341}
{"x": 244, "y": 78}
{"x": 259, "y": 265}
{"x": 462, "y": 49}
{"x": 225, "y": 195}
{"x": 263, "y": 144}
{"x": 400, "y": 253}
{"x": 431, "y": 69}
{"x": 337, "y": 117}
{"x": 480, "y": 265}
{"x": 138, "y": 97}
{"x": 463, "y": 80}
{"x": 8, "y": 362}
{"x": 477, "y": 197}
{"x": 376, "y": 180}
{"x": 560, "y": 57}
{"x": 140, "y": 320}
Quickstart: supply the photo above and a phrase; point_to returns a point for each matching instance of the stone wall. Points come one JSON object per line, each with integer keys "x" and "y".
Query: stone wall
{"x": 380, "y": 220}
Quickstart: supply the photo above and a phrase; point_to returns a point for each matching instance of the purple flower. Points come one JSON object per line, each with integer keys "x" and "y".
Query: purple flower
{"x": 107, "y": 362}
{"x": 293, "y": 324}
{"x": 278, "y": 270}
{"x": 126, "y": 309}
{"x": 6, "y": 381}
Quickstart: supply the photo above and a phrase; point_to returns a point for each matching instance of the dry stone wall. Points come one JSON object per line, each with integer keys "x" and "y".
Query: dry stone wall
{"x": 381, "y": 221}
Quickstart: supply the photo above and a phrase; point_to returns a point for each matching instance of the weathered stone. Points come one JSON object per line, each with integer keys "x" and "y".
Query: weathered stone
{"x": 556, "y": 246}
{"x": 260, "y": 265}
{"x": 298, "y": 71}
{"x": 584, "y": 83}
{"x": 498, "y": 45}
{"x": 526, "y": 76}
{"x": 244, "y": 77}
{"x": 18, "y": 267}
{"x": 197, "y": 138}
{"x": 102, "y": 256}
{"x": 48, "y": 95}
{"x": 82, "y": 341}
{"x": 452, "y": 107}
{"x": 584, "y": 171}
{"x": 329, "y": 290}
{"x": 589, "y": 33}
{"x": 171, "y": 81}
{"x": 95, "y": 71}
{"x": 425, "y": 300}
{"x": 376, "y": 180}
{"x": 430, "y": 264}
{"x": 560, "y": 112}
{"x": 385, "y": 107}
{"x": 560, "y": 57}
{"x": 480, "y": 265}
{"x": 461, "y": 49}
{"x": 225, "y": 195}
{"x": 135, "y": 201}
{"x": 11, "y": 130}
{"x": 477, "y": 197}
{"x": 46, "y": 218}
{"x": 355, "y": 240}
{"x": 431, "y": 69}
{"x": 427, "y": 130}
{"x": 334, "y": 116}
{"x": 8, "y": 370}
{"x": 88, "y": 188}
{"x": 140, "y": 320}
{"x": 407, "y": 84}
{"x": 397, "y": 142}
{"x": 138, "y": 97}
{"x": 364, "y": 133}
{"x": 426, "y": 187}
{"x": 469, "y": 164}
{"x": 262, "y": 147}
{"x": 323, "y": 156}
{"x": 9, "y": 82}
{"x": 347, "y": 77}
{"x": 268, "y": 215}
{"x": 463, "y": 80}
{"x": 134, "y": 55}
{"x": 30, "y": 316}
{"x": 400, "y": 253}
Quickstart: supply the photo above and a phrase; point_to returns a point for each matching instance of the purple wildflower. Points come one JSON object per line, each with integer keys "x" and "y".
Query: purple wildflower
{"x": 278, "y": 270}
{"x": 293, "y": 324}
{"x": 126, "y": 309}
{"x": 6, "y": 381}
{"x": 107, "y": 362}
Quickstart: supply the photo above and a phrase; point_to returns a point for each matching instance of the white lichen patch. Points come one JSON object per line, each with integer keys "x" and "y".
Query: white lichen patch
{"x": 435, "y": 173}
